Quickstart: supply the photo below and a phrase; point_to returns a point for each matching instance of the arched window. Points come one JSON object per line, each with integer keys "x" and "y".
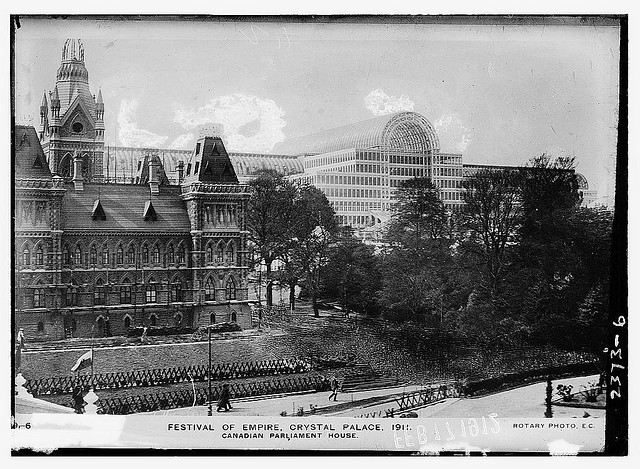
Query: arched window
{"x": 119, "y": 255}
{"x": 171, "y": 256}
{"x": 209, "y": 253}
{"x": 93, "y": 256}
{"x": 178, "y": 320}
{"x": 220, "y": 253}
{"x": 181, "y": 255}
{"x": 125, "y": 292}
{"x": 38, "y": 297}
{"x": 209, "y": 290}
{"x": 105, "y": 255}
{"x": 131, "y": 256}
{"x": 176, "y": 291}
{"x": 99, "y": 293}
{"x": 40, "y": 326}
{"x": 234, "y": 316}
{"x": 229, "y": 253}
{"x": 39, "y": 256}
{"x": 145, "y": 254}
{"x": 151, "y": 293}
{"x": 231, "y": 289}
{"x": 26, "y": 256}
{"x": 71, "y": 296}
{"x": 77, "y": 256}
{"x": 212, "y": 318}
{"x": 127, "y": 322}
{"x": 155, "y": 255}
{"x": 153, "y": 320}
{"x": 66, "y": 256}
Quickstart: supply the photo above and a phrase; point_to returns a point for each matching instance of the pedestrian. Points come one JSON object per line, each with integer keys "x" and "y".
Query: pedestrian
{"x": 143, "y": 338}
{"x": 334, "y": 389}
{"x": 225, "y": 396}
{"x": 78, "y": 401}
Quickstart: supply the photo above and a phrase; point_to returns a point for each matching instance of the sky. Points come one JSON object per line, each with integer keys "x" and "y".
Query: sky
{"x": 497, "y": 94}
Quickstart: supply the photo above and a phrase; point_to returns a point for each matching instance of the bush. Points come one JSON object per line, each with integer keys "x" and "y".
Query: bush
{"x": 218, "y": 328}
{"x": 159, "y": 331}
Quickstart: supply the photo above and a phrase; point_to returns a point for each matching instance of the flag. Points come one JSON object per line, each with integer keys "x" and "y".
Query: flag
{"x": 84, "y": 361}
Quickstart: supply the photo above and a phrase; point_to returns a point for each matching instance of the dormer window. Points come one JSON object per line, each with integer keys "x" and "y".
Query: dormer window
{"x": 98, "y": 211}
{"x": 149, "y": 212}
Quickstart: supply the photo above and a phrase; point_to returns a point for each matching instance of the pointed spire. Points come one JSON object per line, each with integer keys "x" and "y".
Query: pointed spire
{"x": 44, "y": 99}
{"x": 99, "y": 101}
{"x": 55, "y": 95}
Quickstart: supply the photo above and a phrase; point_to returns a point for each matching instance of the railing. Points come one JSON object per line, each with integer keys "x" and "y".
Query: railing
{"x": 188, "y": 398}
{"x": 164, "y": 376}
{"x": 417, "y": 399}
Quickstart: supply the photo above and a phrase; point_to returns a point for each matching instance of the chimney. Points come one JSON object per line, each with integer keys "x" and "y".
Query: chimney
{"x": 78, "y": 181}
{"x": 180, "y": 168}
{"x": 153, "y": 175}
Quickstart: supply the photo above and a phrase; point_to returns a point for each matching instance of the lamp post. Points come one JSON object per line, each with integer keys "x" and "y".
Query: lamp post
{"x": 210, "y": 411}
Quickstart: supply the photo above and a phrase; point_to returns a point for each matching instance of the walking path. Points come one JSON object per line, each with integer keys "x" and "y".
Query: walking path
{"x": 526, "y": 401}
{"x": 290, "y": 403}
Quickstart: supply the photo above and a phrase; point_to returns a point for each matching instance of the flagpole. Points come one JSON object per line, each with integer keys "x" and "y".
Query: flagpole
{"x": 92, "y": 337}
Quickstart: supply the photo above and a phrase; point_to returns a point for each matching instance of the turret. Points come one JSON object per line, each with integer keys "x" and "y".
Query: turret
{"x": 99, "y": 106}
{"x": 44, "y": 111}
{"x": 55, "y": 103}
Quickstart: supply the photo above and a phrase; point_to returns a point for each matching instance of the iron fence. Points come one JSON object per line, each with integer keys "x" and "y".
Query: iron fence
{"x": 416, "y": 399}
{"x": 189, "y": 397}
{"x": 164, "y": 376}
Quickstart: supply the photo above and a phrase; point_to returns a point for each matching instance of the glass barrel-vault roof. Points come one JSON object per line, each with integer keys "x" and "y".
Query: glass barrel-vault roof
{"x": 403, "y": 131}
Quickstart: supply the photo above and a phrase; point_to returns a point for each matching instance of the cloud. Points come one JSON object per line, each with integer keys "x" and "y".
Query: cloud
{"x": 129, "y": 133}
{"x": 380, "y": 104}
{"x": 183, "y": 142}
{"x": 251, "y": 123}
{"x": 453, "y": 134}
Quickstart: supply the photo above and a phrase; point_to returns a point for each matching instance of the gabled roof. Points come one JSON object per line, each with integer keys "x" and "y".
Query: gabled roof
{"x": 124, "y": 207}
{"x": 78, "y": 101}
{"x": 30, "y": 160}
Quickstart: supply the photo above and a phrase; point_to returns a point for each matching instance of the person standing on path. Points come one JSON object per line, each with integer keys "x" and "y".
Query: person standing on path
{"x": 334, "y": 389}
{"x": 225, "y": 396}
{"x": 78, "y": 401}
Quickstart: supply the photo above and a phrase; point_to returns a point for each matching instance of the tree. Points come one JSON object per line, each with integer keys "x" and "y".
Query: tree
{"x": 414, "y": 266}
{"x": 491, "y": 219}
{"x": 312, "y": 233}
{"x": 352, "y": 274}
{"x": 419, "y": 214}
{"x": 269, "y": 219}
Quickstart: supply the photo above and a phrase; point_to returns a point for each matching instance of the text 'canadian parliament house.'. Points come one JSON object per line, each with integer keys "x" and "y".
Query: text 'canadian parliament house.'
{"x": 110, "y": 238}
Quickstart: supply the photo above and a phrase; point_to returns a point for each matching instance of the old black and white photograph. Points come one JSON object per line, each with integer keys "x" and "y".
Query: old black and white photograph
{"x": 341, "y": 233}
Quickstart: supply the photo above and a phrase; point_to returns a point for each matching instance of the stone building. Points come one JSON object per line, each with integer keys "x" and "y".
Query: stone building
{"x": 98, "y": 258}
